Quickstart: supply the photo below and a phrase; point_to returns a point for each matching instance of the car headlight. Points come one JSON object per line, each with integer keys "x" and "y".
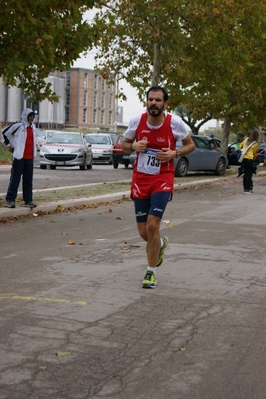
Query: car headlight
{"x": 44, "y": 150}
{"x": 77, "y": 150}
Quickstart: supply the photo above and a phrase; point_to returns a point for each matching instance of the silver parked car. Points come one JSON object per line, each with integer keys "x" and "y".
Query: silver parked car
{"x": 66, "y": 149}
{"x": 102, "y": 146}
{"x": 205, "y": 158}
{"x": 43, "y": 136}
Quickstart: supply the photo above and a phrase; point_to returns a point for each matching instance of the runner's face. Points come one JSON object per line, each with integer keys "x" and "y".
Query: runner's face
{"x": 155, "y": 103}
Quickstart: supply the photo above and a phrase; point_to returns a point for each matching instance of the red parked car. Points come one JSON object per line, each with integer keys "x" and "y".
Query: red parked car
{"x": 119, "y": 156}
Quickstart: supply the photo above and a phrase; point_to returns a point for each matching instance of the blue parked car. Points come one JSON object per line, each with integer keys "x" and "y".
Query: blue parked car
{"x": 207, "y": 157}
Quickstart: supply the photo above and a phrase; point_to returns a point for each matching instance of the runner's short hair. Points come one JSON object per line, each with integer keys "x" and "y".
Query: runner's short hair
{"x": 158, "y": 88}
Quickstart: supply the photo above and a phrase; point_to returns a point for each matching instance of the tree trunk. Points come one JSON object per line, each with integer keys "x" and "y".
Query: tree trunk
{"x": 156, "y": 65}
{"x": 225, "y": 134}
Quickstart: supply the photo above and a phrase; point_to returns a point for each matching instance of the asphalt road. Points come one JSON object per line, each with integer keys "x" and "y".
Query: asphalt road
{"x": 46, "y": 178}
{"x": 75, "y": 322}
{"x": 62, "y": 176}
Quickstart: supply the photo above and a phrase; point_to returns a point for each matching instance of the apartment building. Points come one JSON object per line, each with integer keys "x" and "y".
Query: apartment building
{"x": 90, "y": 101}
{"x": 85, "y": 101}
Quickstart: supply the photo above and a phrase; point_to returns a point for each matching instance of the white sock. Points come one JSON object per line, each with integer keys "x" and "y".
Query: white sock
{"x": 152, "y": 269}
{"x": 161, "y": 242}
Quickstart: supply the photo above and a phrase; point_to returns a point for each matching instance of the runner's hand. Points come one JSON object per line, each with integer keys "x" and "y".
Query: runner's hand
{"x": 140, "y": 146}
{"x": 166, "y": 155}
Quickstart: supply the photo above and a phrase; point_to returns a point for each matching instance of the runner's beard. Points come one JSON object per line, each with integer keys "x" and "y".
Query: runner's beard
{"x": 158, "y": 111}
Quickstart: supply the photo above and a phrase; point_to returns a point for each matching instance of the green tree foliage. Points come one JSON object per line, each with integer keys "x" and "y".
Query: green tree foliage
{"x": 38, "y": 37}
{"x": 128, "y": 35}
{"x": 226, "y": 45}
{"x": 211, "y": 54}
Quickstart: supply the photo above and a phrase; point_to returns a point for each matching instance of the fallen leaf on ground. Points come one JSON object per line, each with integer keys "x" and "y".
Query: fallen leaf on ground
{"x": 108, "y": 211}
{"x": 61, "y": 353}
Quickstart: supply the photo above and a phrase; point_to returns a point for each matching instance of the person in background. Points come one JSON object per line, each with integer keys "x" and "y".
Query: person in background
{"x": 153, "y": 136}
{"x": 249, "y": 157}
{"x": 20, "y": 139}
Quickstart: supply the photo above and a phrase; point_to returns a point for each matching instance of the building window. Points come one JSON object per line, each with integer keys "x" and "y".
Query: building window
{"x": 103, "y": 100}
{"x": 110, "y": 100}
{"x": 110, "y": 117}
{"x": 67, "y": 97}
{"x": 95, "y": 81}
{"x": 84, "y": 119}
{"x": 85, "y": 80}
{"x": 94, "y": 116}
{"x": 102, "y": 117}
{"x": 103, "y": 84}
{"x": 67, "y": 78}
{"x": 85, "y": 97}
{"x": 95, "y": 99}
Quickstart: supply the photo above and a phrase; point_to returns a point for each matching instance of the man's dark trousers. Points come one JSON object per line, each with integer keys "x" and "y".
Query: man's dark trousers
{"x": 21, "y": 167}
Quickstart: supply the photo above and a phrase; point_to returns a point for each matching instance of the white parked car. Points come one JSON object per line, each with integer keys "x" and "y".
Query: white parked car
{"x": 66, "y": 149}
{"x": 102, "y": 146}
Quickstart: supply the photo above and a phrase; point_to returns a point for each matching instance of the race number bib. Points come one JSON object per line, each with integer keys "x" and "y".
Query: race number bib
{"x": 147, "y": 162}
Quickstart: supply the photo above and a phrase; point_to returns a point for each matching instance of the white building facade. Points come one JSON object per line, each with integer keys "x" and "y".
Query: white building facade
{"x": 48, "y": 115}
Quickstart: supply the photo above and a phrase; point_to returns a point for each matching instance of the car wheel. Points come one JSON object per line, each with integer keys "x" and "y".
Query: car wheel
{"x": 42, "y": 166}
{"x": 52, "y": 167}
{"x": 126, "y": 164}
{"x": 181, "y": 168}
{"x": 220, "y": 167}
{"x": 115, "y": 164}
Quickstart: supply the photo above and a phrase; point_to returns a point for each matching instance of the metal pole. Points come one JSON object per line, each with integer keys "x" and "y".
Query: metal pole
{"x": 116, "y": 102}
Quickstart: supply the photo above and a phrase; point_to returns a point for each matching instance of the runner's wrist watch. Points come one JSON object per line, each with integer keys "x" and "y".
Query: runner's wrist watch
{"x": 177, "y": 154}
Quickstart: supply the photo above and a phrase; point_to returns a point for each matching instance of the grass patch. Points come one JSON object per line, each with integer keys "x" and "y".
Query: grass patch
{"x": 42, "y": 196}
{"x": 5, "y": 155}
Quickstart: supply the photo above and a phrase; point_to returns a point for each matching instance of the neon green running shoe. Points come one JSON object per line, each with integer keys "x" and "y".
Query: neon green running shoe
{"x": 161, "y": 253}
{"x": 150, "y": 280}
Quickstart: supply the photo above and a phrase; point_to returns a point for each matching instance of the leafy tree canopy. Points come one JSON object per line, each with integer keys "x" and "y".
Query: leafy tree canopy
{"x": 211, "y": 55}
{"x": 38, "y": 37}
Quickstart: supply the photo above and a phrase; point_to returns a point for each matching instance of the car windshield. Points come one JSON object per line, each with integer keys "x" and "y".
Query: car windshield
{"x": 98, "y": 139}
{"x": 49, "y": 134}
{"x": 65, "y": 139}
{"x": 200, "y": 143}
